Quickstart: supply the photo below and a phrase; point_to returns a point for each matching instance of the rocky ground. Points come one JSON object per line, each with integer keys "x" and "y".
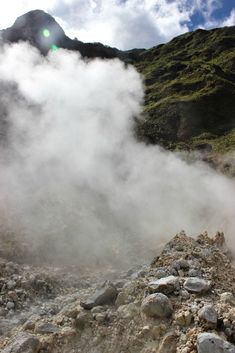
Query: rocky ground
{"x": 183, "y": 302}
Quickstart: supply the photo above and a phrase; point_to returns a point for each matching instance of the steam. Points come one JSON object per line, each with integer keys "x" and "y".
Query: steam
{"x": 75, "y": 182}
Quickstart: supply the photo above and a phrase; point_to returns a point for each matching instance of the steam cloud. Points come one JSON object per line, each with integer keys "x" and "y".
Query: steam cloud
{"x": 73, "y": 178}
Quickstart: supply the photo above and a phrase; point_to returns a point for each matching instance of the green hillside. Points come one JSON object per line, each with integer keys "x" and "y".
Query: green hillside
{"x": 190, "y": 92}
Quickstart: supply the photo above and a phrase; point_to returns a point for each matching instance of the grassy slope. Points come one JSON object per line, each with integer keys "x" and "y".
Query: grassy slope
{"x": 190, "y": 91}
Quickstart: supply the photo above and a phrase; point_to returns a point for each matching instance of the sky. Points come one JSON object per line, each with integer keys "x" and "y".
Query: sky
{"x": 126, "y": 24}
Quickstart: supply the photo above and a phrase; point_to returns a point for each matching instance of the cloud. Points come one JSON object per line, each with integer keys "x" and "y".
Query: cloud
{"x": 127, "y": 24}
{"x": 124, "y": 24}
{"x": 229, "y": 21}
{"x": 76, "y": 183}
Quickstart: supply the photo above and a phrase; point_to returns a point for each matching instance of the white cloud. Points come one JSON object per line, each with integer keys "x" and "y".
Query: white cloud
{"x": 230, "y": 21}
{"x": 124, "y": 24}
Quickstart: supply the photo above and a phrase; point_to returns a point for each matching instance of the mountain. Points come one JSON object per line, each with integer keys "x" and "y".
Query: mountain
{"x": 190, "y": 81}
{"x": 42, "y": 31}
{"x": 190, "y": 90}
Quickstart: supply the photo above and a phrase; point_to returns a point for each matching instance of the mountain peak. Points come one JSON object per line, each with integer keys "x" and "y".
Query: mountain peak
{"x": 37, "y": 27}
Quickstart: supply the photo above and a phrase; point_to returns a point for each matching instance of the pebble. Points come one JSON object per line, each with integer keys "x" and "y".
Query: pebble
{"x": 10, "y": 305}
{"x": 196, "y": 285}
{"x": 164, "y": 285}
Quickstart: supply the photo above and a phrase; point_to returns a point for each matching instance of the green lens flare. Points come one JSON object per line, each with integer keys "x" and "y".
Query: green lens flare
{"x": 46, "y": 33}
{"x": 54, "y": 47}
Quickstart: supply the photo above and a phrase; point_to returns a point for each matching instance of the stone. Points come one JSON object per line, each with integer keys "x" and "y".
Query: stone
{"x": 184, "y": 318}
{"x": 181, "y": 264}
{"x": 82, "y": 320}
{"x": 211, "y": 343}
{"x": 193, "y": 272}
{"x": 122, "y": 299}
{"x": 169, "y": 343}
{"x": 209, "y": 315}
{"x": 157, "y": 305}
{"x": 23, "y": 343}
{"x": 11, "y": 284}
{"x": 10, "y": 305}
{"x": 46, "y": 328}
{"x": 196, "y": 285}
{"x": 128, "y": 311}
{"x": 105, "y": 295}
{"x": 101, "y": 317}
{"x": 164, "y": 285}
{"x": 227, "y": 298}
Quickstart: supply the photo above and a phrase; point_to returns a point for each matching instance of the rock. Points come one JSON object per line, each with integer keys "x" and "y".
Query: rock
{"x": 184, "y": 318}
{"x": 227, "y": 298}
{"x": 158, "y": 331}
{"x": 193, "y": 272}
{"x": 23, "y": 343}
{"x": 157, "y": 305}
{"x": 128, "y": 311}
{"x": 46, "y": 328}
{"x": 105, "y": 295}
{"x": 10, "y": 305}
{"x": 164, "y": 285}
{"x": 184, "y": 294}
{"x": 82, "y": 320}
{"x": 161, "y": 273}
{"x": 122, "y": 299}
{"x": 97, "y": 310}
{"x": 11, "y": 284}
{"x": 181, "y": 264}
{"x": 211, "y": 343}
{"x": 169, "y": 343}
{"x": 209, "y": 315}
{"x": 196, "y": 285}
{"x": 101, "y": 317}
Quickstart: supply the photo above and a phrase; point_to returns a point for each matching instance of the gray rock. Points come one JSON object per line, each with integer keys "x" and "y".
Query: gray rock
{"x": 46, "y": 328}
{"x": 209, "y": 315}
{"x": 157, "y": 305}
{"x": 105, "y": 295}
{"x": 160, "y": 272}
{"x": 196, "y": 285}
{"x": 211, "y": 343}
{"x": 193, "y": 272}
{"x": 181, "y": 264}
{"x": 164, "y": 285}
{"x": 11, "y": 284}
{"x": 82, "y": 320}
{"x": 227, "y": 298}
{"x": 23, "y": 343}
{"x": 10, "y": 305}
{"x": 128, "y": 311}
{"x": 169, "y": 343}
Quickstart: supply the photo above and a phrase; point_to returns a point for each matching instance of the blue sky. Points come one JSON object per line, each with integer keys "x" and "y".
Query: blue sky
{"x": 220, "y": 14}
{"x": 127, "y": 24}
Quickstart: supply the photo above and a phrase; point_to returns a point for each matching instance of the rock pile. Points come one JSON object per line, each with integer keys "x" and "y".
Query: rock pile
{"x": 182, "y": 303}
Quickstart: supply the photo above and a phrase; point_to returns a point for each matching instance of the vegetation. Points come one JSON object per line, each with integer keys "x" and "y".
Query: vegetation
{"x": 190, "y": 91}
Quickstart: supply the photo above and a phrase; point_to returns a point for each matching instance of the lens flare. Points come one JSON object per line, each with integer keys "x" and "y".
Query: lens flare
{"x": 54, "y": 47}
{"x": 46, "y": 33}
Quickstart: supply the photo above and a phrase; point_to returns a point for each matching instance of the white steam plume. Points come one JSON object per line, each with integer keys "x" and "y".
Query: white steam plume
{"x": 73, "y": 178}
